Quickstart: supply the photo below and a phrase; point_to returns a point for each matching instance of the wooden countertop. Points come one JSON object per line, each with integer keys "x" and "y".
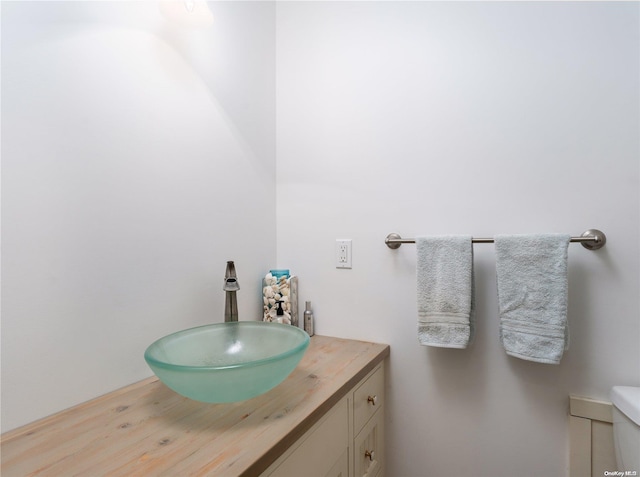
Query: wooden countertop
{"x": 146, "y": 429}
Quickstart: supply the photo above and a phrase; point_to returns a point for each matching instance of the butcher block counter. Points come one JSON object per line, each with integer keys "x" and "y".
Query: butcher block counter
{"x": 146, "y": 429}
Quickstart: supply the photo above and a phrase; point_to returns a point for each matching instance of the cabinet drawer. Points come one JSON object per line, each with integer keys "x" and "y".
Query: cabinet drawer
{"x": 368, "y": 398}
{"x": 369, "y": 448}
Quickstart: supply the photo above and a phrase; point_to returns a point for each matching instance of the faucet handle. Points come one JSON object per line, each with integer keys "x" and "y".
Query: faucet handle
{"x": 230, "y": 279}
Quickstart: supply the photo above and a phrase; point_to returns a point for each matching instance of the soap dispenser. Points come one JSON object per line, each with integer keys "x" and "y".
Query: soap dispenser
{"x": 279, "y": 313}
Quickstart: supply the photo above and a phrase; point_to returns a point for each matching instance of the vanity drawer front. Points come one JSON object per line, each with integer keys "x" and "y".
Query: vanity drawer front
{"x": 369, "y": 448}
{"x": 368, "y": 398}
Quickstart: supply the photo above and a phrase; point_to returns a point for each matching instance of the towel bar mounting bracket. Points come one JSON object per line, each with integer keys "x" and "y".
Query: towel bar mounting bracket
{"x": 596, "y": 239}
{"x": 393, "y": 241}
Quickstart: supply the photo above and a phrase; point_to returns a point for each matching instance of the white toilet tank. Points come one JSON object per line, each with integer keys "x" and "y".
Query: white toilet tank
{"x": 626, "y": 427}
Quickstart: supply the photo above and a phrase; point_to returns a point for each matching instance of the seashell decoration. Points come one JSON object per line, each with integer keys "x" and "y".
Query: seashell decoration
{"x": 276, "y": 289}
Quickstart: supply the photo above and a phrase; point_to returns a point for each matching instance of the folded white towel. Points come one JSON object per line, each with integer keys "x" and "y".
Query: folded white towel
{"x": 445, "y": 292}
{"x": 532, "y": 295}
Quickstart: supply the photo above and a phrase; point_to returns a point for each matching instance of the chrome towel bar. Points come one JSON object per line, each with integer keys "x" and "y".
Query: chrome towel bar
{"x": 592, "y": 239}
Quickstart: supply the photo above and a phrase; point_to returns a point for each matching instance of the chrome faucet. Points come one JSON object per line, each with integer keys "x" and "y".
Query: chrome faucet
{"x": 231, "y": 286}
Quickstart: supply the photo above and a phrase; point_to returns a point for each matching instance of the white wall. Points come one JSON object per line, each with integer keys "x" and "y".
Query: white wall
{"x": 137, "y": 157}
{"x": 428, "y": 118}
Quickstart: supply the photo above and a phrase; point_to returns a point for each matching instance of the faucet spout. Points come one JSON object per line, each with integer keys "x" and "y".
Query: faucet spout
{"x": 231, "y": 286}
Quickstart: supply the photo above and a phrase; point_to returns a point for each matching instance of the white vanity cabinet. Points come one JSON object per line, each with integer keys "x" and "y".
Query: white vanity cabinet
{"x": 348, "y": 441}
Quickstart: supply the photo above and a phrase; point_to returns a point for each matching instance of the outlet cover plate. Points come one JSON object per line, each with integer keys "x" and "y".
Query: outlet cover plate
{"x": 343, "y": 253}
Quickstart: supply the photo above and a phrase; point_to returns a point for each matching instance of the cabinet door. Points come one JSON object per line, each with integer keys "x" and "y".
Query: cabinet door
{"x": 322, "y": 452}
{"x": 369, "y": 447}
{"x": 341, "y": 468}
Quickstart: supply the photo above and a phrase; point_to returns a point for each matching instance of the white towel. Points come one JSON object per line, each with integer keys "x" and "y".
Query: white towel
{"x": 532, "y": 295}
{"x": 445, "y": 291}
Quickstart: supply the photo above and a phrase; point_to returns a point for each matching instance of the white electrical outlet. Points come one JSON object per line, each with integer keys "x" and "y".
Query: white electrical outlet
{"x": 343, "y": 253}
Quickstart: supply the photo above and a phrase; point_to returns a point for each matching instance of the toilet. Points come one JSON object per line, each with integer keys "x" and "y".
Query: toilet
{"x": 626, "y": 427}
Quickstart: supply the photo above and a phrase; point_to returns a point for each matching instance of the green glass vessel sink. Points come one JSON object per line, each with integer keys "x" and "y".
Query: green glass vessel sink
{"x": 227, "y": 362}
